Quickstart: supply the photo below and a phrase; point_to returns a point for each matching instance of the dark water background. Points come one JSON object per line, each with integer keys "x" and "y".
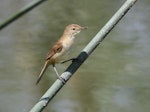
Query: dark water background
{"x": 116, "y": 77}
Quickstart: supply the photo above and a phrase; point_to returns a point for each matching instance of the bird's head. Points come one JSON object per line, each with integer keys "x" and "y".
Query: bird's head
{"x": 73, "y": 29}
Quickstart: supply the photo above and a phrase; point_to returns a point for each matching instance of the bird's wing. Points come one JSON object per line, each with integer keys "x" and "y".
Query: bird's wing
{"x": 55, "y": 49}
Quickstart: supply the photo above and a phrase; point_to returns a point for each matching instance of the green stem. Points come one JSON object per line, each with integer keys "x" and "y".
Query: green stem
{"x": 20, "y": 13}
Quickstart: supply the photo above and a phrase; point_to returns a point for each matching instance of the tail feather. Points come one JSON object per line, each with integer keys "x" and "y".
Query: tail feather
{"x": 42, "y": 72}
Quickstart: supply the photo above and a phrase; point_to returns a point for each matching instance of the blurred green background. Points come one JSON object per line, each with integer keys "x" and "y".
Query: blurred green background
{"x": 116, "y": 77}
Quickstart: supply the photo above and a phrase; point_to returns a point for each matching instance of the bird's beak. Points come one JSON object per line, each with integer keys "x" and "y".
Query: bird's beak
{"x": 83, "y": 28}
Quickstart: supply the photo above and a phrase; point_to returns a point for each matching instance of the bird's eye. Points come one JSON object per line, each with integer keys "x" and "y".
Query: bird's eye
{"x": 73, "y": 28}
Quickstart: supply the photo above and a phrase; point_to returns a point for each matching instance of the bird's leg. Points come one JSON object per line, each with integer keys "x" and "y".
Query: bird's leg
{"x": 72, "y": 59}
{"x": 60, "y": 78}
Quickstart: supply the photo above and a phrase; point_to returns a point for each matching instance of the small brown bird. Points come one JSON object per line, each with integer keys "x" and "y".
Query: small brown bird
{"x": 60, "y": 48}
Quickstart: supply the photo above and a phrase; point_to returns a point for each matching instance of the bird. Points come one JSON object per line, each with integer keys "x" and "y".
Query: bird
{"x": 60, "y": 48}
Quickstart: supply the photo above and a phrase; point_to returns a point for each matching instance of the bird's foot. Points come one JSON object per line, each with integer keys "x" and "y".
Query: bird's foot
{"x": 61, "y": 79}
{"x": 72, "y": 59}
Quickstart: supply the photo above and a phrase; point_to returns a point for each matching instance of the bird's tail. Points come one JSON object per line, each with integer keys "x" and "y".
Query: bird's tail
{"x": 42, "y": 72}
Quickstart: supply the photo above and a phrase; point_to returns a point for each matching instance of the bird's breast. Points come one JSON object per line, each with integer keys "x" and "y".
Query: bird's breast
{"x": 67, "y": 44}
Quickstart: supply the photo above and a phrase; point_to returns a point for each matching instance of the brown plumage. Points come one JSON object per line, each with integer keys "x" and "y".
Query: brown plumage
{"x": 60, "y": 48}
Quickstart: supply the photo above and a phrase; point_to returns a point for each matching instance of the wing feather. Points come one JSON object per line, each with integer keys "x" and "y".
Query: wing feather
{"x": 55, "y": 49}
